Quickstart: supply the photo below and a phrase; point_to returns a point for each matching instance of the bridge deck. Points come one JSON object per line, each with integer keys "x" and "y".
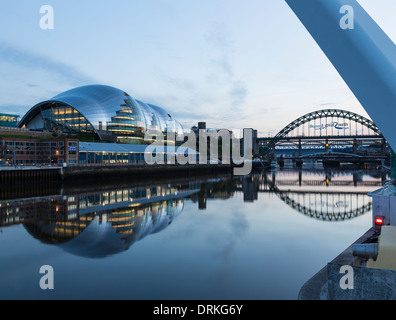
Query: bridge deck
{"x": 339, "y": 137}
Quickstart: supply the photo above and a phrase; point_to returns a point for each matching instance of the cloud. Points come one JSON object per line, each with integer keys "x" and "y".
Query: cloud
{"x": 17, "y": 57}
{"x": 222, "y": 69}
{"x": 324, "y": 104}
{"x": 13, "y": 109}
{"x": 27, "y": 78}
{"x": 180, "y": 83}
{"x": 238, "y": 93}
{"x": 222, "y": 65}
{"x": 216, "y": 93}
{"x": 219, "y": 38}
{"x": 221, "y": 51}
{"x": 31, "y": 85}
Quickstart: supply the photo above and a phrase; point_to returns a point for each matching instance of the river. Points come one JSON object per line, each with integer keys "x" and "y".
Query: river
{"x": 259, "y": 237}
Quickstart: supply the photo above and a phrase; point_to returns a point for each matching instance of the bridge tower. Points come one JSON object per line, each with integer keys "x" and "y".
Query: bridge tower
{"x": 362, "y": 53}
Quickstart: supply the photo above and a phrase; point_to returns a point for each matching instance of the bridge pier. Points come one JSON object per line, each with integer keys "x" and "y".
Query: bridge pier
{"x": 355, "y": 146}
{"x": 299, "y": 163}
{"x": 355, "y": 179}
{"x": 299, "y": 148}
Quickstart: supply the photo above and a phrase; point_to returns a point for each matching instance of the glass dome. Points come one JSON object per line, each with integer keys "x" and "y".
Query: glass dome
{"x": 101, "y": 110}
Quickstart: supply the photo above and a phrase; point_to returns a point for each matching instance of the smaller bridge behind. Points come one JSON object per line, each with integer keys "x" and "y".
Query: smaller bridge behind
{"x": 325, "y": 131}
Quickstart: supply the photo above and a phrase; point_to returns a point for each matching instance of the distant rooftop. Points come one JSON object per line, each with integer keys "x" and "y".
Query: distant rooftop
{"x": 129, "y": 148}
{"x": 9, "y": 115}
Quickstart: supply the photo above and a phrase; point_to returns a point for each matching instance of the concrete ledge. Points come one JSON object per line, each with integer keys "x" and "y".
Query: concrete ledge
{"x": 318, "y": 287}
{"x": 315, "y": 288}
{"x": 76, "y": 173}
{"x": 369, "y": 284}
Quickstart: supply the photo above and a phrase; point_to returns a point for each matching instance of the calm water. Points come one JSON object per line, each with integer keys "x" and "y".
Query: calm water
{"x": 257, "y": 237}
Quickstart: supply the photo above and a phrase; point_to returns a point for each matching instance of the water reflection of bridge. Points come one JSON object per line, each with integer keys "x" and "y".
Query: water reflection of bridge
{"x": 322, "y": 177}
{"x": 319, "y": 194}
{"x": 98, "y": 223}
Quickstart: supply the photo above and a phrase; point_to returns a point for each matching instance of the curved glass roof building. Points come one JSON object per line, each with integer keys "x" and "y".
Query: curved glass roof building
{"x": 100, "y": 110}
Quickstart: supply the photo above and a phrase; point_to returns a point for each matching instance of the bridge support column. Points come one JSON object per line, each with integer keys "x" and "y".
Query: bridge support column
{"x": 299, "y": 148}
{"x": 355, "y": 146}
{"x": 364, "y": 57}
{"x": 383, "y": 147}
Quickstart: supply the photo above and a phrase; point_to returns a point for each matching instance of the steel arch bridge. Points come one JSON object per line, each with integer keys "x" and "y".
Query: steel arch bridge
{"x": 325, "y": 114}
{"x": 335, "y": 124}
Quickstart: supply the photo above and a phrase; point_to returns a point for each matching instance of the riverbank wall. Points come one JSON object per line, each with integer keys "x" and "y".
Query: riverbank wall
{"x": 84, "y": 173}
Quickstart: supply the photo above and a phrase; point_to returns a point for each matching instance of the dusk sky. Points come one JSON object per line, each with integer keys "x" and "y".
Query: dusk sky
{"x": 231, "y": 63}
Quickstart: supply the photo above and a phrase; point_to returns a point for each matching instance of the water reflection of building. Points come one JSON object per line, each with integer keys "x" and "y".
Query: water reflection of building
{"x": 98, "y": 235}
{"x": 105, "y": 222}
{"x": 97, "y": 224}
{"x": 214, "y": 189}
{"x": 250, "y": 187}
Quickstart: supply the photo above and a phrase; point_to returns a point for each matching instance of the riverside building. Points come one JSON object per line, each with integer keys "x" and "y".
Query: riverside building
{"x": 38, "y": 152}
{"x": 101, "y": 113}
{"x": 98, "y": 125}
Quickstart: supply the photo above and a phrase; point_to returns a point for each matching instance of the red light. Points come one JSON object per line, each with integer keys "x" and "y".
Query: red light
{"x": 379, "y": 221}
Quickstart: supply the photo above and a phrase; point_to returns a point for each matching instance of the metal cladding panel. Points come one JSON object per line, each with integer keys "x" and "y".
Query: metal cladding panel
{"x": 364, "y": 55}
{"x": 152, "y": 121}
{"x": 167, "y": 121}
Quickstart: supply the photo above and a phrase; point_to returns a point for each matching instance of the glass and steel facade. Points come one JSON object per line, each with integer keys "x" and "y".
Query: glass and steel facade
{"x": 61, "y": 117}
{"x": 8, "y": 120}
{"x": 100, "y": 110}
